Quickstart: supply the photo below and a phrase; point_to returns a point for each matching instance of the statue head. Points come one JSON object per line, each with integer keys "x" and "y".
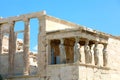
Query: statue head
{"x": 62, "y": 41}
{"x": 77, "y": 39}
{"x": 87, "y": 42}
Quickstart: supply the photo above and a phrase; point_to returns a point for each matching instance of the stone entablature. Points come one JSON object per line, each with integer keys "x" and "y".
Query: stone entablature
{"x": 101, "y": 37}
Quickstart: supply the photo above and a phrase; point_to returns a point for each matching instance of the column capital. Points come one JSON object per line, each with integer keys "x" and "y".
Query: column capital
{"x": 87, "y": 41}
{"x": 96, "y": 43}
{"x": 77, "y": 39}
{"x": 62, "y": 41}
{"x": 104, "y": 48}
{"x": 42, "y": 17}
{"x": 11, "y": 23}
{"x": 26, "y": 19}
{"x": 47, "y": 41}
{"x": 105, "y": 45}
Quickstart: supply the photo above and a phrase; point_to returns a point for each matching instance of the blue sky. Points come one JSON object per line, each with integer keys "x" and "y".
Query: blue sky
{"x": 102, "y": 15}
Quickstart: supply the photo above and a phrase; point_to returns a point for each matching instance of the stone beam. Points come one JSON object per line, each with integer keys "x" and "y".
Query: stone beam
{"x": 21, "y": 31}
{"x": 21, "y": 17}
{"x": 11, "y": 49}
{"x": 68, "y": 34}
{"x": 26, "y": 47}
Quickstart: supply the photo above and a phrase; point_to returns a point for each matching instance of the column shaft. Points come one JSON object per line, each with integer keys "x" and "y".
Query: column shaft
{"x": 1, "y": 38}
{"x": 42, "y": 54}
{"x": 15, "y": 40}
{"x": 26, "y": 47}
{"x": 11, "y": 49}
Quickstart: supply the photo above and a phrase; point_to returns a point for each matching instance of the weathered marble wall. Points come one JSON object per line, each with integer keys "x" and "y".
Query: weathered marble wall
{"x": 93, "y": 73}
{"x": 54, "y": 25}
{"x": 76, "y": 72}
{"x": 18, "y": 64}
{"x": 25, "y": 78}
{"x": 114, "y": 58}
{"x": 19, "y": 45}
{"x": 62, "y": 72}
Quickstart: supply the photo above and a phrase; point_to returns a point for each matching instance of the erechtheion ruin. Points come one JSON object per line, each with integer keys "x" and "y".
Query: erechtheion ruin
{"x": 66, "y": 51}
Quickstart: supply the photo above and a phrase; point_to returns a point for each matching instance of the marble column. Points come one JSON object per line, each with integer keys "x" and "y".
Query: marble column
{"x": 1, "y": 39}
{"x": 88, "y": 54}
{"x": 42, "y": 54}
{"x": 11, "y": 49}
{"x": 77, "y": 54}
{"x": 26, "y": 47}
{"x": 105, "y": 55}
{"x": 62, "y": 51}
{"x": 96, "y": 54}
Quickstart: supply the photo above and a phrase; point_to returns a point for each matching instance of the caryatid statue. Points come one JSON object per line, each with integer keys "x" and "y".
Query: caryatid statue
{"x": 96, "y": 54}
{"x": 62, "y": 51}
{"x": 88, "y": 54}
{"x": 105, "y": 55}
{"x": 77, "y": 54}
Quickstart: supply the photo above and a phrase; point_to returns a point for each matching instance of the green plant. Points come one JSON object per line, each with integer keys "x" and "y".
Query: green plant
{"x": 1, "y": 78}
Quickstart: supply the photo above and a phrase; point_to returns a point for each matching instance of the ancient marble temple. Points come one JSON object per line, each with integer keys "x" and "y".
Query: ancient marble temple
{"x": 66, "y": 51}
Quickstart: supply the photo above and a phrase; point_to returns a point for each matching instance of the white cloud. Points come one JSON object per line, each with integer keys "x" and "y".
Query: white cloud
{"x": 35, "y": 48}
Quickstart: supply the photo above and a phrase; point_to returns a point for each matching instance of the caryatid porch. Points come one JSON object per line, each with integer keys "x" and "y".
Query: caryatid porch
{"x": 65, "y": 47}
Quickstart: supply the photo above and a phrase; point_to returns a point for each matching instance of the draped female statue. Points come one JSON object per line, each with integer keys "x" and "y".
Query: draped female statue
{"x": 62, "y": 52}
{"x": 77, "y": 54}
{"x": 96, "y": 54}
{"x": 88, "y": 54}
